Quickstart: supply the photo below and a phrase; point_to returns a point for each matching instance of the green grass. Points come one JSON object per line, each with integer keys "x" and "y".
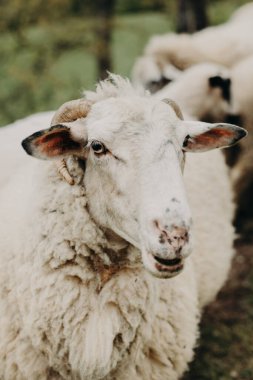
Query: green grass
{"x": 50, "y": 64}
{"x": 131, "y": 34}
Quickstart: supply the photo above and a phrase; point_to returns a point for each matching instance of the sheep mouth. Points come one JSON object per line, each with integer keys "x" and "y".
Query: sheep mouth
{"x": 168, "y": 262}
{"x": 163, "y": 268}
{"x": 170, "y": 266}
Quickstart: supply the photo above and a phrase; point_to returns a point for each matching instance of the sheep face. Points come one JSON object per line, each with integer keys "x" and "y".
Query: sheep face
{"x": 134, "y": 179}
{"x": 134, "y": 149}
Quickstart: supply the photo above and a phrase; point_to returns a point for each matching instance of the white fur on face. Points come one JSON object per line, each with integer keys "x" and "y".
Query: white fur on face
{"x": 136, "y": 188}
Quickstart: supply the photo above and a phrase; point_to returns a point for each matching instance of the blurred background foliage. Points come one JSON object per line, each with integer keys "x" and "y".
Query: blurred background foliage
{"x": 50, "y": 50}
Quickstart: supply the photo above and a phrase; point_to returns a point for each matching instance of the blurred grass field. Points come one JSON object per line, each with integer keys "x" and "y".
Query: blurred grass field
{"x": 45, "y": 67}
{"x": 46, "y": 64}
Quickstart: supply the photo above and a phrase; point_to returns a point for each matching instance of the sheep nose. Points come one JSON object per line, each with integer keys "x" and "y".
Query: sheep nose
{"x": 175, "y": 236}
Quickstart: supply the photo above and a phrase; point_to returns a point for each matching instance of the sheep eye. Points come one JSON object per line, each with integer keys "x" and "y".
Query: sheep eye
{"x": 98, "y": 147}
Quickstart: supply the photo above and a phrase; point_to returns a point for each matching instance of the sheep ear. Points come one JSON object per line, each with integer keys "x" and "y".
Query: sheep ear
{"x": 57, "y": 142}
{"x": 203, "y": 136}
{"x": 223, "y": 83}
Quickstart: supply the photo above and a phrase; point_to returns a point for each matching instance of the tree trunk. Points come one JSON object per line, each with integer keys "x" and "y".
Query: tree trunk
{"x": 199, "y": 9}
{"x": 191, "y": 15}
{"x": 182, "y": 17}
{"x": 103, "y": 11}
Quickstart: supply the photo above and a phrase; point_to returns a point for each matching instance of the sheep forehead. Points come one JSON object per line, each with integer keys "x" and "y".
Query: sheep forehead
{"x": 125, "y": 118}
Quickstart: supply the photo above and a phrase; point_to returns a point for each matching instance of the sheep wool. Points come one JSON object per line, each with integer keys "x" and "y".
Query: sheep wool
{"x": 75, "y": 300}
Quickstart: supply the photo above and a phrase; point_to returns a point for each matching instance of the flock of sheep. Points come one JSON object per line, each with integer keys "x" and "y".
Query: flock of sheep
{"x": 114, "y": 240}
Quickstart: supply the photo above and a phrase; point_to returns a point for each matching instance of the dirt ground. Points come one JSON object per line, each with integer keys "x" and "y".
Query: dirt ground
{"x": 225, "y": 348}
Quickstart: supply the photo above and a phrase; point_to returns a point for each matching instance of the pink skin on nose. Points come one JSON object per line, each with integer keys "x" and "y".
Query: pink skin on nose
{"x": 175, "y": 236}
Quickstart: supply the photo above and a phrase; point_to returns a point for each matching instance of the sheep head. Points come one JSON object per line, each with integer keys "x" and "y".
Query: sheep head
{"x": 134, "y": 150}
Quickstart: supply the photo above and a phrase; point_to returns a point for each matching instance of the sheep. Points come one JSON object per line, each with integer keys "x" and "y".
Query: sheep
{"x": 203, "y": 92}
{"x": 147, "y": 72}
{"x": 96, "y": 280}
{"x": 166, "y": 55}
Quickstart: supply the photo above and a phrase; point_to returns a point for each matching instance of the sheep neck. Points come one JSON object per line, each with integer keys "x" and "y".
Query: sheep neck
{"x": 80, "y": 248}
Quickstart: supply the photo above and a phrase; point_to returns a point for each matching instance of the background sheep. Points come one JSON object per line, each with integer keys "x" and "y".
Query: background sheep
{"x": 202, "y": 91}
{"x": 76, "y": 301}
{"x": 167, "y": 54}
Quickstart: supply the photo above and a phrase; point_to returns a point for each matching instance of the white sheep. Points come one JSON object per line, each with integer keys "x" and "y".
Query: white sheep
{"x": 77, "y": 299}
{"x": 203, "y": 92}
{"x": 165, "y": 55}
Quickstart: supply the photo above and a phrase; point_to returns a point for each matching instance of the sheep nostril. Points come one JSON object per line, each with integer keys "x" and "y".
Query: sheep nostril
{"x": 176, "y": 236}
{"x": 162, "y": 238}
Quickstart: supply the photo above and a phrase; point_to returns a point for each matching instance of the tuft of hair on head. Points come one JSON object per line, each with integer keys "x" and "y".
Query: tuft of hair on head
{"x": 114, "y": 86}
